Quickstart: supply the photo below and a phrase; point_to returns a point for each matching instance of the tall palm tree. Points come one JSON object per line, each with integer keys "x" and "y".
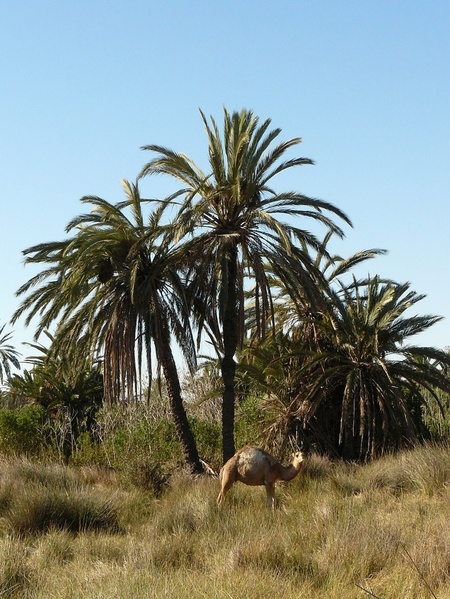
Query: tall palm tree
{"x": 271, "y": 367}
{"x": 114, "y": 286}
{"x": 8, "y": 355}
{"x": 369, "y": 371}
{"x": 233, "y": 216}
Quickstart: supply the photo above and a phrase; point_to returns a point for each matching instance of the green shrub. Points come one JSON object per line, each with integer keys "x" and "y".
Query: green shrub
{"x": 142, "y": 452}
{"x": 249, "y": 422}
{"x": 88, "y": 452}
{"x": 208, "y": 436}
{"x": 21, "y": 430}
{"x": 143, "y": 440}
{"x": 437, "y": 423}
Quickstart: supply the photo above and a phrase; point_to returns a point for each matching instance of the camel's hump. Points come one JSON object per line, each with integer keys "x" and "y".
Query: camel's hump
{"x": 255, "y": 455}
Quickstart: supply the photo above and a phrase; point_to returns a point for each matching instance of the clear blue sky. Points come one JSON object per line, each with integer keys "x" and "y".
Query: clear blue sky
{"x": 84, "y": 84}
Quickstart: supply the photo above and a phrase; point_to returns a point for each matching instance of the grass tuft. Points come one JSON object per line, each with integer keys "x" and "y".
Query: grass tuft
{"x": 15, "y": 573}
{"x": 36, "y": 498}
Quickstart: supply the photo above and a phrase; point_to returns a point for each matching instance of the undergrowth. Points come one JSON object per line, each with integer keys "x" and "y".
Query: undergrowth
{"x": 340, "y": 530}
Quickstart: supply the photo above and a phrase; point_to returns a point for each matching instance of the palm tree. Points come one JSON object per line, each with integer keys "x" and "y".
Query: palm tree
{"x": 232, "y": 215}
{"x": 115, "y": 286}
{"x": 271, "y": 367}
{"x": 368, "y": 373}
{"x": 60, "y": 384}
{"x": 8, "y": 355}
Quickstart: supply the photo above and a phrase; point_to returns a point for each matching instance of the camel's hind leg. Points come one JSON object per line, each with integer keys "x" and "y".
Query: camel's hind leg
{"x": 227, "y": 479}
{"x": 270, "y": 490}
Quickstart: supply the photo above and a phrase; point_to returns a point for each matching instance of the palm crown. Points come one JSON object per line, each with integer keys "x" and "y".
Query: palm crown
{"x": 231, "y": 219}
{"x": 369, "y": 371}
{"x": 114, "y": 286}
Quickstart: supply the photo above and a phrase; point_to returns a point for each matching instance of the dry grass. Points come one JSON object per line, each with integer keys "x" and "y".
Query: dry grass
{"x": 35, "y": 498}
{"x": 339, "y": 531}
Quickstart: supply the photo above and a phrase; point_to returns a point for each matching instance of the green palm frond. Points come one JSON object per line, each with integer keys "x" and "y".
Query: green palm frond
{"x": 9, "y": 356}
{"x": 109, "y": 269}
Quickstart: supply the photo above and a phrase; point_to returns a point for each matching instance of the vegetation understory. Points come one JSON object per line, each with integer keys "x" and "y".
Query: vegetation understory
{"x": 340, "y": 530}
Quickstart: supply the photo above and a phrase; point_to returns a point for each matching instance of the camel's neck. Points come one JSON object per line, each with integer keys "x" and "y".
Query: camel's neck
{"x": 290, "y": 472}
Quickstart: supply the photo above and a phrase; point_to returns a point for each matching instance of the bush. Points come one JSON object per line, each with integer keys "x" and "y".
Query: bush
{"x": 141, "y": 451}
{"x": 436, "y": 423}
{"x": 250, "y": 419}
{"x": 144, "y": 456}
{"x": 208, "y": 436}
{"x": 21, "y": 430}
{"x": 88, "y": 452}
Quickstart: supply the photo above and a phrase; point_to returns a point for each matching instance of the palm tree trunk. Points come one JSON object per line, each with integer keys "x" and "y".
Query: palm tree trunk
{"x": 228, "y": 366}
{"x": 228, "y": 407}
{"x": 181, "y": 421}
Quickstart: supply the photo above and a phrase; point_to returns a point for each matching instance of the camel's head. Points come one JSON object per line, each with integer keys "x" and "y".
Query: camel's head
{"x": 297, "y": 457}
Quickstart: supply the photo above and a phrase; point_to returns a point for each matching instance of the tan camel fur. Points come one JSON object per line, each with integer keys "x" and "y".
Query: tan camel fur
{"x": 254, "y": 466}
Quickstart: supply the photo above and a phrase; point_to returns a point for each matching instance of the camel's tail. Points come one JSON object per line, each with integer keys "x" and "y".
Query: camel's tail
{"x": 208, "y": 470}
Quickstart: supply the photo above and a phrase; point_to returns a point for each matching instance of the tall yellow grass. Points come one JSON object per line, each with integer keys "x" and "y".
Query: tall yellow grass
{"x": 340, "y": 531}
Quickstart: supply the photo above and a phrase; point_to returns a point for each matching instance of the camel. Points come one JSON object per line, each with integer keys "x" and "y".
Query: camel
{"x": 254, "y": 466}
